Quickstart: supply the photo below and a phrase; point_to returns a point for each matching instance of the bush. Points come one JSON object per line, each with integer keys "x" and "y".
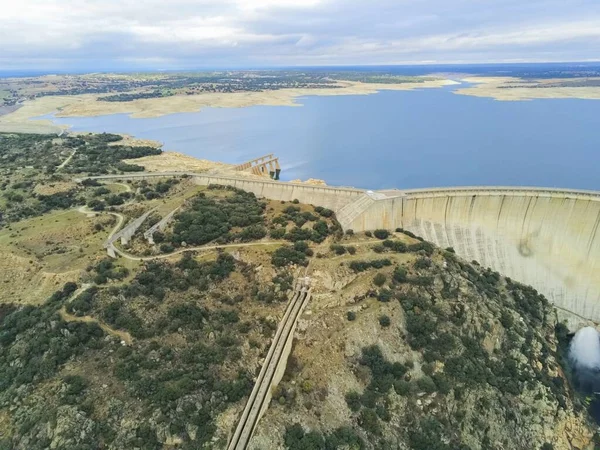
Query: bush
{"x": 368, "y": 234}
{"x": 338, "y": 249}
{"x": 400, "y": 274}
{"x": 277, "y": 233}
{"x": 385, "y": 295}
{"x": 361, "y": 266}
{"x": 291, "y": 255}
{"x": 353, "y": 401}
{"x": 324, "y": 212}
{"x": 381, "y": 234}
{"x": 426, "y": 384}
{"x": 351, "y": 249}
{"x": 350, "y": 232}
{"x": 351, "y": 316}
{"x": 402, "y": 387}
{"x": 396, "y": 246}
{"x": 369, "y": 421}
{"x": 384, "y": 321}
{"x": 165, "y": 247}
{"x": 422, "y": 263}
{"x": 379, "y": 279}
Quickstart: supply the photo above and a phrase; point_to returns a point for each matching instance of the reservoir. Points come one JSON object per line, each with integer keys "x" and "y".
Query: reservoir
{"x": 402, "y": 139}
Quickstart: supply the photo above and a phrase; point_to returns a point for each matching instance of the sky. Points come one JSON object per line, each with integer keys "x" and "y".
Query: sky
{"x": 188, "y": 34}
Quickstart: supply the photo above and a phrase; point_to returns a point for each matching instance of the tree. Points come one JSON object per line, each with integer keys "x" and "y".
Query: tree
{"x": 384, "y": 321}
{"x": 399, "y": 274}
{"x": 381, "y": 234}
{"x": 379, "y": 279}
{"x": 353, "y": 401}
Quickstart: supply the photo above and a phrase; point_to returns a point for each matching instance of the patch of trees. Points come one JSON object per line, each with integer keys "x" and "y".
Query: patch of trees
{"x": 83, "y": 303}
{"x": 371, "y": 404}
{"x": 95, "y": 156}
{"x": 158, "y": 277}
{"x": 36, "y": 342}
{"x": 291, "y": 254}
{"x": 296, "y": 438}
{"x": 207, "y": 219}
{"x": 107, "y": 270}
{"x": 439, "y": 331}
{"x": 318, "y": 232}
{"x": 296, "y": 215}
{"x": 129, "y": 97}
{"x": 423, "y": 247}
{"x": 124, "y": 167}
{"x": 157, "y": 190}
{"x": 361, "y": 266}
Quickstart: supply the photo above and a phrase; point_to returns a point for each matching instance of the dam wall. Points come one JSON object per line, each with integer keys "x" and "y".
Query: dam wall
{"x": 330, "y": 197}
{"x": 326, "y": 196}
{"x": 546, "y": 238}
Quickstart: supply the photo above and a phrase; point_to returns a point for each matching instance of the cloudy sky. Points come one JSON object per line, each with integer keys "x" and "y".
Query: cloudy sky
{"x": 176, "y": 34}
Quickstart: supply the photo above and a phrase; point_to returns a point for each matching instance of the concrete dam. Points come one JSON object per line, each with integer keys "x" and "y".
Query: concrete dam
{"x": 547, "y": 238}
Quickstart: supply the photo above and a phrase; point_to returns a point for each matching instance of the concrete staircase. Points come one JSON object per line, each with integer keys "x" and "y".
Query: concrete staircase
{"x": 347, "y": 214}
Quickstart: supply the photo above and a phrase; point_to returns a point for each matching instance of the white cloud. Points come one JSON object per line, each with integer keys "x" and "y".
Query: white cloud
{"x": 271, "y": 32}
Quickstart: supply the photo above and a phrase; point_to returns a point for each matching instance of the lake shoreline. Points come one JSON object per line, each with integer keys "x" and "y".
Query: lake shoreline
{"x": 87, "y": 105}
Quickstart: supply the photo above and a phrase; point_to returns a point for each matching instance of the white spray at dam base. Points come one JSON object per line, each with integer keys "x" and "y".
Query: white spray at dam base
{"x": 584, "y": 350}
{"x": 584, "y": 358}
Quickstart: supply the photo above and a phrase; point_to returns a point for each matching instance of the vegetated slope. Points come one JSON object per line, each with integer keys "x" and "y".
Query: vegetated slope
{"x": 33, "y": 181}
{"x": 421, "y": 350}
{"x": 403, "y": 345}
{"x": 155, "y": 355}
{"x": 197, "y": 329}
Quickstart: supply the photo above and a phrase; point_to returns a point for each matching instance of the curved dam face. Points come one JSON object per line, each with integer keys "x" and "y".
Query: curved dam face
{"x": 545, "y": 238}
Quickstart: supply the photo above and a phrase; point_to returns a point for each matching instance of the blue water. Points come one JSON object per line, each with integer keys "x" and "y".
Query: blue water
{"x": 403, "y": 139}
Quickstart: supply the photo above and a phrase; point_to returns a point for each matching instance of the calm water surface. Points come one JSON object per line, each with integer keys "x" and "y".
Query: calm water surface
{"x": 403, "y": 139}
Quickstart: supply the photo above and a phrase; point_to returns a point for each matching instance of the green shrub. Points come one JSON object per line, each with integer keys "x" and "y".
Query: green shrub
{"x": 381, "y": 234}
{"x": 402, "y": 387}
{"x": 338, "y": 249}
{"x": 353, "y": 401}
{"x": 400, "y": 274}
{"x": 379, "y": 279}
{"x": 277, "y": 233}
{"x": 384, "y": 321}
{"x": 369, "y": 421}
{"x": 422, "y": 263}
{"x": 361, "y": 266}
{"x": 288, "y": 254}
{"x": 426, "y": 384}
{"x": 351, "y": 315}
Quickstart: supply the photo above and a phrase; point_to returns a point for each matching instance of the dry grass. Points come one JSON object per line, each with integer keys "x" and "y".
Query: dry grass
{"x": 54, "y": 187}
{"x": 39, "y": 255}
{"x": 497, "y": 88}
{"x": 173, "y": 161}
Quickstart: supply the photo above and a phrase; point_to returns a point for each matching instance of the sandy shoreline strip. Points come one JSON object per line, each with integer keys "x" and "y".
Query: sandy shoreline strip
{"x": 515, "y": 89}
{"x": 87, "y": 106}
